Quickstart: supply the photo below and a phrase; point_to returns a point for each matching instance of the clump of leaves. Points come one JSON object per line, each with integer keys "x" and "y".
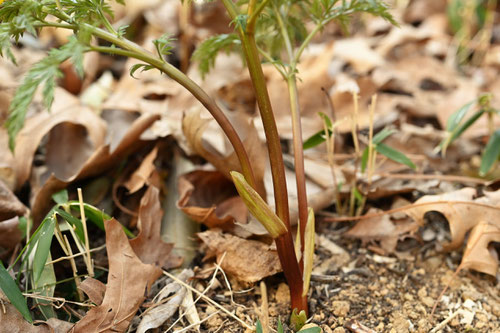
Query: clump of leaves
{"x": 457, "y": 124}
{"x": 255, "y": 36}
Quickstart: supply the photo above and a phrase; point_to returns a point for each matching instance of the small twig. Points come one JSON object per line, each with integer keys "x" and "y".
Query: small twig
{"x": 207, "y": 299}
{"x": 102, "y": 247}
{"x": 88, "y": 261}
{"x": 196, "y": 324}
{"x": 264, "y": 308}
{"x": 449, "y": 178}
{"x": 442, "y": 324}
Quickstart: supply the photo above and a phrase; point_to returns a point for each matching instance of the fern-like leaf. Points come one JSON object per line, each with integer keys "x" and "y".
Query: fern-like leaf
{"x": 44, "y": 73}
{"x": 206, "y": 53}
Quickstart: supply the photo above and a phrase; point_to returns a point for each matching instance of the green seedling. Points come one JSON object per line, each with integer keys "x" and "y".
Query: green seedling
{"x": 262, "y": 30}
{"x": 36, "y": 258}
{"x": 457, "y": 124}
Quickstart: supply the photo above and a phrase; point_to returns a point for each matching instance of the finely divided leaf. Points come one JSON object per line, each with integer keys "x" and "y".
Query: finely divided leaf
{"x": 206, "y": 53}
{"x": 43, "y": 73}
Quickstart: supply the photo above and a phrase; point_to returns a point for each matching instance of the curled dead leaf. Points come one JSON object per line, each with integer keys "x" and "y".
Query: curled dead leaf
{"x": 101, "y": 159}
{"x": 148, "y": 245}
{"x": 210, "y": 198}
{"x": 194, "y": 128}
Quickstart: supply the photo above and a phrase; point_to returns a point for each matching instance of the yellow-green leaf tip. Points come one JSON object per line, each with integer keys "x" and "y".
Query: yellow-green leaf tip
{"x": 258, "y": 207}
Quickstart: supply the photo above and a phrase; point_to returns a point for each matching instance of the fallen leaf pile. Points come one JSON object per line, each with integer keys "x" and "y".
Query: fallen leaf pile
{"x": 141, "y": 146}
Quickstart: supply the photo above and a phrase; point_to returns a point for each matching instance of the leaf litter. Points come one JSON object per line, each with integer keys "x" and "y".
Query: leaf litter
{"x": 390, "y": 284}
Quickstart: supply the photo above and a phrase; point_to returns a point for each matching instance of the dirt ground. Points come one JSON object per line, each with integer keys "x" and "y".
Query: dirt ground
{"x": 356, "y": 288}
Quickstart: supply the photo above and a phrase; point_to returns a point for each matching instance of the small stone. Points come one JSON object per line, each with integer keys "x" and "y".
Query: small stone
{"x": 341, "y": 308}
{"x": 401, "y": 324}
{"x": 422, "y": 292}
{"x": 283, "y": 294}
{"x": 339, "y": 330}
{"x": 428, "y": 301}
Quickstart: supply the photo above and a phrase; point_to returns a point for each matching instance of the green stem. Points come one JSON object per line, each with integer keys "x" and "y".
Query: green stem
{"x": 298, "y": 151}
{"x": 252, "y": 20}
{"x": 284, "y": 244}
{"x": 298, "y": 154}
{"x": 305, "y": 43}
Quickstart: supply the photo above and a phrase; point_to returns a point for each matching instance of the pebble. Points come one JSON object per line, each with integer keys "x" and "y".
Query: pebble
{"x": 339, "y": 330}
{"x": 341, "y": 308}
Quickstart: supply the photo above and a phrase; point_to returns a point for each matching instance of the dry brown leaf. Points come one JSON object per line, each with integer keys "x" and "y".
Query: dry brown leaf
{"x": 194, "y": 128}
{"x": 12, "y": 321}
{"x": 94, "y": 289}
{"x": 246, "y": 260}
{"x": 102, "y": 159}
{"x": 467, "y": 214}
{"x": 382, "y": 229}
{"x": 458, "y": 208}
{"x": 210, "y": 198}
{"x": 10, "y": 205}
{"x": 140, "y": 176}
{"x": 66, "y": 109}
{"x": 148, "y": 245}
{"x": 10, "y": 236}
{"x": 7, "y": 163}
{"x": 478, "y": 254}
{"x": 161, "y": 311}
{"x": 129, "y": 280}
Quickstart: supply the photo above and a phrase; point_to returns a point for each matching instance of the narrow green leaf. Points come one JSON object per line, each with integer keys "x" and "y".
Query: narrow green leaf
{"x": 74, "y": 222}
{"x": 43, "y": 246}
{"x": 491, "y": 153}
{"x": 364, "y": 159}
{"x": 460, "y": 129}
{"x": 258, "y": 207}
{"x": 258, "y": 327}
{"x": 456, "y": 118}
{"x": 394, "y": 155}
{"x": 280, "y": 326}
{"x": 61, "y": 197}
{"x": 326, "y": 120}
{"x": 382, "y": 135}
{"x": 45, "y": 286}
{"x": 311, "y": 330}
{"x": 11, "y": 290}
{"x": 358, "y": 195}
{"x": 96, "y": 216}
{"x": 316, "y": 139}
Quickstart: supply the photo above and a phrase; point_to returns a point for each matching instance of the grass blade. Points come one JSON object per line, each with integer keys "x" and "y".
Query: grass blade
{"x": 382, "y": 135}
{"x": 11, "y": 290}
{"x": 43, "y": 246}
{"x": 394, "y": 155}
{"x": 456, "y": 118}
{"x": 491, "y": 153}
